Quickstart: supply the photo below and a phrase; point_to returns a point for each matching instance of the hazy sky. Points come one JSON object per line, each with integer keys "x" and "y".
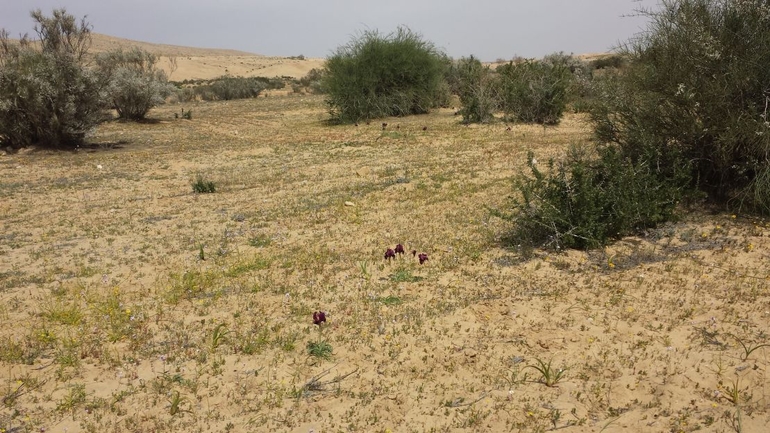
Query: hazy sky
{"x": 488, "y": 29}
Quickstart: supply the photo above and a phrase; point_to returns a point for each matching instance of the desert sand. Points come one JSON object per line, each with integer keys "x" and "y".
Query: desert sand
{"x": 208, "y": 63}
{"x": 131, "y": 303}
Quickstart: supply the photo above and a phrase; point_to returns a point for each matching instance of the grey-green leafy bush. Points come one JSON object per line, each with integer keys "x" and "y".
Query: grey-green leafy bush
{"x": 229, "y": 88}
{"x": 133, "y": 84}
{"x": 379, "y": 75}
{"x": 698, "y": 81}
{"x": 47, "y": 95}
{"x": 535, "y": 91}
{"x": 477, "y": 88}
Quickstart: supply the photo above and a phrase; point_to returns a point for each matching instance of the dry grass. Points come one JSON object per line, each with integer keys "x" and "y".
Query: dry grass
{"x": 112, "y": 322}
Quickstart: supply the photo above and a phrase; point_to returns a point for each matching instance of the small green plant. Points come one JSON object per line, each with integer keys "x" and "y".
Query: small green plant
{"x": 203, "y": 186}
{"x": 320, "y": 349}
{"x": 260, "y": 240}
{"x": 749, "y": 347}
{"x": 549, "y": 376}
{"x": 74, "y": 398}
{"x": 363, "y": 266}
{"x": 187, "y": 115}
{"x": 404, "y": 276}
{"x": 201, "y": 253}
{"x": 218, "y": 336}
{"x": 175, "y": 404}
{"x": 391, "y": 300}
{"x": 734, "y": 394}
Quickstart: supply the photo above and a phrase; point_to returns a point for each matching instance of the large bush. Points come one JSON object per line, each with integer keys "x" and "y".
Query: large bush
{"x": 698, "y": 81}
{"x": 133, "y": 83}
{"x": 686, "y": 116}
{"x": 378, "y": 76}
{"x": 535, "y": 91}
{"x": 477, "y": 88}
{"x": 47, "y": 95}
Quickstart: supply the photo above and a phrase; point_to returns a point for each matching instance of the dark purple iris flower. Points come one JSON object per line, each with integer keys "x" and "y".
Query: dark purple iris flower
{"x": 414, "y": 253}
{"x": 399, "y": 249}
{"x": 390, "y": 254}
{"x": 319, "y": 317}
{"x": 423, "y": 258}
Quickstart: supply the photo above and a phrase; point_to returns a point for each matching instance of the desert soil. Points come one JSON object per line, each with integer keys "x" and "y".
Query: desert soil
{"x": 130, "y": 303}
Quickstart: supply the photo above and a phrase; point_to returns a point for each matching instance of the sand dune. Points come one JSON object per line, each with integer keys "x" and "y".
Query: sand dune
{"x": 207, "y": 63}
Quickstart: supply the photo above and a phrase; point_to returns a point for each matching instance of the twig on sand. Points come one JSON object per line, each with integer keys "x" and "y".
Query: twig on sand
{"x": 316, "y": 385}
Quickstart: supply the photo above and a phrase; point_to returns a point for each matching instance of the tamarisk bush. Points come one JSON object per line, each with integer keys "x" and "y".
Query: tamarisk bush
{"x": 132, "y": 82}
{"x": 48, "y": 96}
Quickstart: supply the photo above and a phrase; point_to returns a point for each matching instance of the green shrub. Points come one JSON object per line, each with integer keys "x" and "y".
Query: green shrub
{"x": 686, "y": 117}
{"x": 587, "y": 200}
{"x": 534, "y": 91}
{"x": 698, "y": 81}
{"x": 312, "y": 81}
{"x": 203, "y": 186}
{"x": 378, "y": 76}
{"x": 133, "y": 83}
{"x": 47, "y": 96}
{"x": 477, "y": 89}
{"x": 229, "y": 88}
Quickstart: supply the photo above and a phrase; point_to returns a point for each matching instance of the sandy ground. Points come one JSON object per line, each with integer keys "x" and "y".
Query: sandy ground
{"x": 208, "y": 63}
{"x": 129, "y": 303}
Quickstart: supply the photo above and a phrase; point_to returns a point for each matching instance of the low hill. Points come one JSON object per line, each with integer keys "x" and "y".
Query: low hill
{"x": 207, "y": 63}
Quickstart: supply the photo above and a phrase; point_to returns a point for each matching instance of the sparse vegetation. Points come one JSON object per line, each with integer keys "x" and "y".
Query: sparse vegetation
{"x": 350, "y": 278}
